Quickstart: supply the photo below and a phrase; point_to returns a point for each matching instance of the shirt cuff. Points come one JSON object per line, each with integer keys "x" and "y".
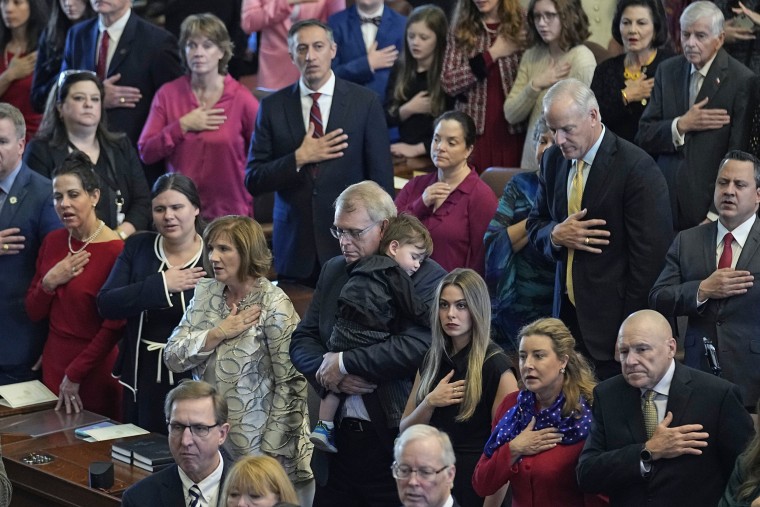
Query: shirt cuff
{"x": 341, "y": 365}
{"x": 645, "y": 468}
{"x": 678, "y": 139}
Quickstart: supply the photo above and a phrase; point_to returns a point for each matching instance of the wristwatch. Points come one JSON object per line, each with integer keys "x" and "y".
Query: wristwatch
{"x": 645, "y": 455}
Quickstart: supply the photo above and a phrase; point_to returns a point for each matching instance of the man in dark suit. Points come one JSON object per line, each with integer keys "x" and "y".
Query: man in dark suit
{"x": 369, "y": 35}
{"x": 138, "y": 58}
{"x": 196, "y": 415}
{"x": 360, "y": 474}
{"x": 608, "y": 225}
{"x": 698, "y": 112}
{"x": 26, "y": 216}
{"x": 311, "y": 141}
{"x": 722, "y": 302}
{"x": 424, "y": 467}
{"x": 663, "y": 434}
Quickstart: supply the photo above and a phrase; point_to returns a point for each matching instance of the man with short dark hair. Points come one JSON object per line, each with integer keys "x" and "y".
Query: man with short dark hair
{"x": 26, "y": 216}
{"x": 196, "y": 416}
{"x": 662, "y": 433}
{"x": 708, "y": 276}
{"x": 312, "y": 140}
{"x": 602, "y": 212}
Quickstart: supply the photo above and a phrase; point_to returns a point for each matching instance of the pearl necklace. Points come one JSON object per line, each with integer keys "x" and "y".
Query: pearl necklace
{"x": 88, "y": 239}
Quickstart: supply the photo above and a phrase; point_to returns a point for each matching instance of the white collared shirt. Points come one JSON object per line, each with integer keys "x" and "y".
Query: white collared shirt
{"x": 115, "y": 32}
{"x": 369, "y": 30}
{"x": 209, "y": 486}
{"x": 325, "y": 101}
{"x": 588, "y": 159}
{"x": 678, "y": 139}
{"x": 662, "y": 391}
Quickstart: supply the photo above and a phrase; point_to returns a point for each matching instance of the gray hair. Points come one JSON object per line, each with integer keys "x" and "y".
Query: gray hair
{"x": 582, "y": 96}
{"x": 14, "y": 115}
{"x": 369, "y": 195}
{"x": 305, "y": 23}
{"x": 421, "y": 432}
{"x": 703, "y": 9}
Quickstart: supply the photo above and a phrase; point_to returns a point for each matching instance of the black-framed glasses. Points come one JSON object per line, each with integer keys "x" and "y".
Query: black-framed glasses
{"x": 423, "y": 473}
{"x": 545, "y": 16}
{"x": 351, "y": 233}
{"x": 64, "y": 75}
{"x": 199, "y": 430}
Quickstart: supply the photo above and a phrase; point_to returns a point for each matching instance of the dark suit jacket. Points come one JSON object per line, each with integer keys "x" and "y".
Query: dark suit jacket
{"x": 626, "y": 189}
{"x": 609, "y": 463}
{"x": 303, "y": 212}
{"x": 164, "y": 489}
{"x": 351, "y": 62}
{"x": 28, "y": 206}
{"x": 690, "y": 171}
{"x": 398, "y": 357}
{"x": 730, "y": 323}
{"x": 146, "y": 58}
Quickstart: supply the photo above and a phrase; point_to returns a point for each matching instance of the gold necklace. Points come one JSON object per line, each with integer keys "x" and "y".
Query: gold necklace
{"x": 88, "y": 239}
{"x": 630, "y": 73}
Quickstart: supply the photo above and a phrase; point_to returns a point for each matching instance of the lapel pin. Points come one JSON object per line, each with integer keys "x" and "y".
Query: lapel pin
{"x": 13, "y": 199}
{"x": 717, "y": 81}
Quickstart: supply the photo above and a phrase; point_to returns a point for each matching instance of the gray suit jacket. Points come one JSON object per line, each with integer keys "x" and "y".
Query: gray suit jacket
{"x": 690, "y": 170}
{"x": 730, "y": 323}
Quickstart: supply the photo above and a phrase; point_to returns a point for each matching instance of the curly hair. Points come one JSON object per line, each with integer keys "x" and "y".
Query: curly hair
{"x": 468, "y": 22}
{"x": 572, "y": 18}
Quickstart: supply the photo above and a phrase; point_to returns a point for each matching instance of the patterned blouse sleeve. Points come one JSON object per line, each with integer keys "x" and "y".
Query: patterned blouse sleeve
{"x": 183, "y": 349}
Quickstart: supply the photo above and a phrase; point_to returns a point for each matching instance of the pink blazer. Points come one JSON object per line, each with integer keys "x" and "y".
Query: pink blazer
{"x": 273, "y": 18}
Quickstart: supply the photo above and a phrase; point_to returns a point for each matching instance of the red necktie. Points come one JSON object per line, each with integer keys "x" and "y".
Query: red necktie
{"x": 315, "y": 117}
{"x": 102, "y": 68}
{"x": 727, "y": 256}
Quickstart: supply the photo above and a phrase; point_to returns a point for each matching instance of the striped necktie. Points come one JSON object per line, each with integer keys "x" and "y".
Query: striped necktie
{"x": 195, "y": 496}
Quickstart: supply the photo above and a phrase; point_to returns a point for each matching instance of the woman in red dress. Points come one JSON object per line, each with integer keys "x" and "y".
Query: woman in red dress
{"x": 72, "y": 266}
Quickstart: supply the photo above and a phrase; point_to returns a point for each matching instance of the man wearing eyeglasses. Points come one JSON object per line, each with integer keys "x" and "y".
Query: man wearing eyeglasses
{"x": 360, "y": 474}
{"x": 196, "y": 417}
{"x": 424, "y": 467}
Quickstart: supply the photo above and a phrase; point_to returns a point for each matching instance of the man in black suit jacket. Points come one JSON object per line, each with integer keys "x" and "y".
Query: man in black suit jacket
{"x": 307, "y": 172}
{"x": 689, "y": 140}
{"x": 722, "y": 303}
{"x": 360, "y": 474}
{"x": 698, "y": 427}
{"x": 26, "y": 216}
{"x": 424, "y": 467}
{"x": 617, "y": 240}
{"x": 197, "y": 420}
{"x": 142, "y": 59}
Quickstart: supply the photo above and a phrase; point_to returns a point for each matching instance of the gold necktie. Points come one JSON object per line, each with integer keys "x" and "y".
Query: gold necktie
{"x": 650, "y": 413}
{"x": 573, "y": 206}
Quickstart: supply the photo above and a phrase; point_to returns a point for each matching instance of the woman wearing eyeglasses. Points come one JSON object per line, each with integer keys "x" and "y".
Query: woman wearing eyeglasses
{"x": 452, "y": 202}
{"x": 75, "y": 120}
{"x": 540, "y": 430}
{"x": 557, "y": 29}
{"x": 235, "y": 335}
{"x": 23, "y": 20}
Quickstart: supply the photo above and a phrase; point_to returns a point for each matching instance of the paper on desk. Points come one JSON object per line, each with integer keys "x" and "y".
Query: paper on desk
{"x": 116, "y": 431}
{"x": 25, "y": 393}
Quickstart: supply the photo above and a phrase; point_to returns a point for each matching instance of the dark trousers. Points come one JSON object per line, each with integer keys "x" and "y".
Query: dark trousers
{"x": 360, "y": 473}
{"x": 602, "y": 369}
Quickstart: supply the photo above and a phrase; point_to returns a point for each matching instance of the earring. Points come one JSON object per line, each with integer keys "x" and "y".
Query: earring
{"x": 562, "y": 371}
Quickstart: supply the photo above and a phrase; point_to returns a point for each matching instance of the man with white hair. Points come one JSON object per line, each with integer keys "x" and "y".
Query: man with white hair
{"x": 424, "y": 467}
{"x": 697, "y": 113}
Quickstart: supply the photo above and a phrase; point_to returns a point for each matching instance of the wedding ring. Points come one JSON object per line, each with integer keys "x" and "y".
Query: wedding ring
{"x": 73, "y": 270}
{"x": 586, "y": 240}
{"x": 122, "y": 100}
{"x": 73, "y": 398}
{"x": 5, "y": 247}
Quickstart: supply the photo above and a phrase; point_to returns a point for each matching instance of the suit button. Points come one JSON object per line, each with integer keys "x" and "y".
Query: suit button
{"x": 719, "y": 323}
{"x": 314, "y": 191}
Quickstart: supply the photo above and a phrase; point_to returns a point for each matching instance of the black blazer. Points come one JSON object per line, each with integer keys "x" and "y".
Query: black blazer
{"x": 730, "y": 323}
{"x": 690, "y": 171}
{"x": 609, "y": 463}
{"x": 303, "y": 211}
{"x": 625, "y": 188}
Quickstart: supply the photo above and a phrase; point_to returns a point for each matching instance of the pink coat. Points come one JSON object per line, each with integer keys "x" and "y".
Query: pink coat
{"x": 273, "y": 18}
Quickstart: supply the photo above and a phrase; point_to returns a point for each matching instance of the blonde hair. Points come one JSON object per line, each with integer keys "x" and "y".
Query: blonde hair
{"x": 260, "y": 475}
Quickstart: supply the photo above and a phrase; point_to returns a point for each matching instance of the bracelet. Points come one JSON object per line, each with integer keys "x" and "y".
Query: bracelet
{"x": 625, "y": 97}
{"x": 223, "y": 331}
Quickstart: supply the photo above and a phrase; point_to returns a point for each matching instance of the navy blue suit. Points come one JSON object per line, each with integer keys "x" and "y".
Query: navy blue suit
{"x": 303, "y": 212}
{"x": 351, "y": 62}
{"x": 28, "y": 206}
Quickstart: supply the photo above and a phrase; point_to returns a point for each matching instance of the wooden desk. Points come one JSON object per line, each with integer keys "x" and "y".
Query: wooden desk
{"x": 64, "y": 481}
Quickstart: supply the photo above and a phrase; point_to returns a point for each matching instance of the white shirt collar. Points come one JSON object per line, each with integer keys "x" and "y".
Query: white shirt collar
{"x": 663, "y": 386}
{"x": 590, "y": 155}
{"x": 209, "y": 486}
{"x": 326, "y": 89}
{"x": 375, "y": 13}
{"x": 706, "y": 67}
{"x": 117, "y": 27}
{"x": 740, "y": 233}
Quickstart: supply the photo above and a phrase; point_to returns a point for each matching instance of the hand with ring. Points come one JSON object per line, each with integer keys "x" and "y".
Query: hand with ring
{"x": 122, "y": 100}
{"x": 68, "y": 396}
{"x": 446, "y": 392}
{"x": 12, "y": 243}
{"x": 587, "y": 240}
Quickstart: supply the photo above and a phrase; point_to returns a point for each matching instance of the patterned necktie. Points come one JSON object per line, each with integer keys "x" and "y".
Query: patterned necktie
{"x": 102, "y": 68}
{"x": 195, "y": 496}
{"x": 573, "y": 206}
{"x": 727, "y": 257}
{"x": 375, "y": 20}
{"x": 650, "y": 413}
{"x": 315, "y": 115}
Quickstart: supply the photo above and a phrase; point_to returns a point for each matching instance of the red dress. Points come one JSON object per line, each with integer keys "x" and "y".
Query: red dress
{"x": 19, "y": 94}
{"x": 80, "y": 343}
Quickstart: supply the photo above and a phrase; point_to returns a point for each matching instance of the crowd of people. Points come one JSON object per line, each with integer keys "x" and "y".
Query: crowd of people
{"x": 469, "y": 346}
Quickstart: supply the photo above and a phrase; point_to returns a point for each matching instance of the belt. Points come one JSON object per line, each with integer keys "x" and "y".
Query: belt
{"x": 153, "y": 346}
{"x": 355, "y": 425}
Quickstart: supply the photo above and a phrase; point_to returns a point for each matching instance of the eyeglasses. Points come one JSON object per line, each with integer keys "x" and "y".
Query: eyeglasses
{"x": 63, "y": 76}
{"x": 351, "y": 233}
{"x": 198, "y": 430}
{"x": 544, "y": 16}
{"x": 424, "y": 473}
